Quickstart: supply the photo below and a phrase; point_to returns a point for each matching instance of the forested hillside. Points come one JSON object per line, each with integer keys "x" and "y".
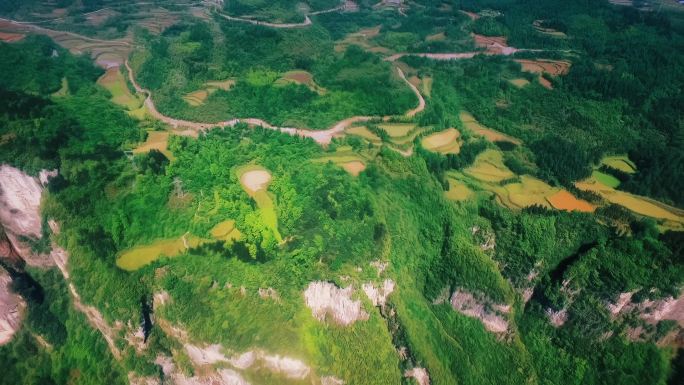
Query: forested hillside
{"x": 431, "y": 192}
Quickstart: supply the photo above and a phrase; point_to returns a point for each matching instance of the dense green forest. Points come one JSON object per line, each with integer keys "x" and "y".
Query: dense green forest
{"x": 621, "y": 95}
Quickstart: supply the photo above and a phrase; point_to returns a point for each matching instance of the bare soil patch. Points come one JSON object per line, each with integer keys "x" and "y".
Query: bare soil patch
{"x": 11, "y": 37}
{"x": 563, "y": 200}
{"x": 255, "y": 180}
{"x": 440, "y": 36}
{"x": 520, "y": 82}
{"x": 156, "y": 140}
{"x": 551, "y": 67}
{"x": 354, "y": 167}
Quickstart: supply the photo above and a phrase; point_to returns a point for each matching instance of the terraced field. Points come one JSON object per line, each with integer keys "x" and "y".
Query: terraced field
{"x": 443, "y": 142}
{"x": 115, "y": 83}
{"x": 470, "y": 123}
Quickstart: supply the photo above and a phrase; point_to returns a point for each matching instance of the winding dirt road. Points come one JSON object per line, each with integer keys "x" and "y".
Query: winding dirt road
{"x": 307, "y": 21}
{"x": 323, "y": 137}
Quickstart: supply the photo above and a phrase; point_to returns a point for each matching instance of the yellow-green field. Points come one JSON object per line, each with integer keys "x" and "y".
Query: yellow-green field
{"x": 458, "y": 191}
{"x": 473, "y": 125}
{"x": 301, "y": 77}
{"x": 365, "y": 133}
{"x": 670, "y": 216}
{"x": 364, "y": 39}
{"x": 139, "y": 256}
{"x": 403, "y": 134}
{"x": 619, "y": 162}
{"x": 489, "y": 167}
{"x": 520, "y": 82}
{"x": 352, "y": 162}
{"x": 606, "y": 179}
{"x": 198, "y": 97}
{"x": 397, "y": 130}
{"x": 255, "y": 181}
{"x": 156, "y": 140}
{"x": 529, "y": 191}
{"x": 226, "y": 231}
{"x": 443, "y": 142}
{"x": 64, "y": 90}
{"x": 113, "y": 80}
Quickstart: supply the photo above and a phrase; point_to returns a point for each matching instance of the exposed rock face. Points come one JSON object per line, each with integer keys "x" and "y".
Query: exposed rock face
{"x": 286, "y": 366}
{"x": 331, "y": 380}
{"x": 20, "y": 196}
{"x": 11, "y": 309}
{"x": 651, "y": 311}
{"x": 381, "y": 266}
{"x": 205, "y": 356}
{"x": 465, "y": 303}
{"x": 326, "y": 299}
{"x": 419, "y": 374}
{"x": 378, "y": 296}
{"x": 7, "y": 250}
{"x": 557, "y": 318}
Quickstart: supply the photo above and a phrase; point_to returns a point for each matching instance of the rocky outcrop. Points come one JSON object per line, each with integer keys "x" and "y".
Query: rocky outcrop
{"x": 420, "y": 375}
{"x": 20, "y": 196}
{"x": 651, "y": 311}
{"x": 12, "y": 308}
{"x": 327, "y": 300}
{"x": 485, "y": 310}
{"x": 379, "y": 295}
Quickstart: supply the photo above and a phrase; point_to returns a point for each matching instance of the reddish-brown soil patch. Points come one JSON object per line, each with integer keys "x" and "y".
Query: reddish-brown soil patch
{"x": 472, "y": 15}
{"x": 563, "y": 200}
{"x": 552, "y": 67}
{"x": 11, "y": 37}
{"x": 545, "y": 82}
{"x": 299, "y": 77}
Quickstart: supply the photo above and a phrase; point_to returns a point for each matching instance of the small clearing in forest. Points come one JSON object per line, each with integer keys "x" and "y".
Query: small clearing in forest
{"x": 440, "y": 36}
{"x": 364, "y": 39}
{"x": 491, "y": 135}
{"x": 198, "y": 97}
{"x": 403, "y": 134}
{"x": 458, "y": 191}
{"x": 489, "y": 167}
{"x": 539, "y": 26}
{"x": 365, "y": 133}
{"x": 443, "y": 142}
{"x": 156, "y": 140}
{"x": 354, "y": 167}
{"x": 619, "y": 162}
{"x": 563, "y": 200}
{"x": 551, "y": 67}
{"x": 346, "y": 158}
{"x": 301, "y": 77}
{"x": 11, "y": 37}
{"x": 139, "y": 256}
{"x": 519, "y": 82}
{"x": 115, "y": 83}
{"x": 225, "y": 231}
{"x": 255, "y": 180}
{"x": 529, "y": 191}
{"x": 606, "y": 179}
{"x": 640, "y": 205}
